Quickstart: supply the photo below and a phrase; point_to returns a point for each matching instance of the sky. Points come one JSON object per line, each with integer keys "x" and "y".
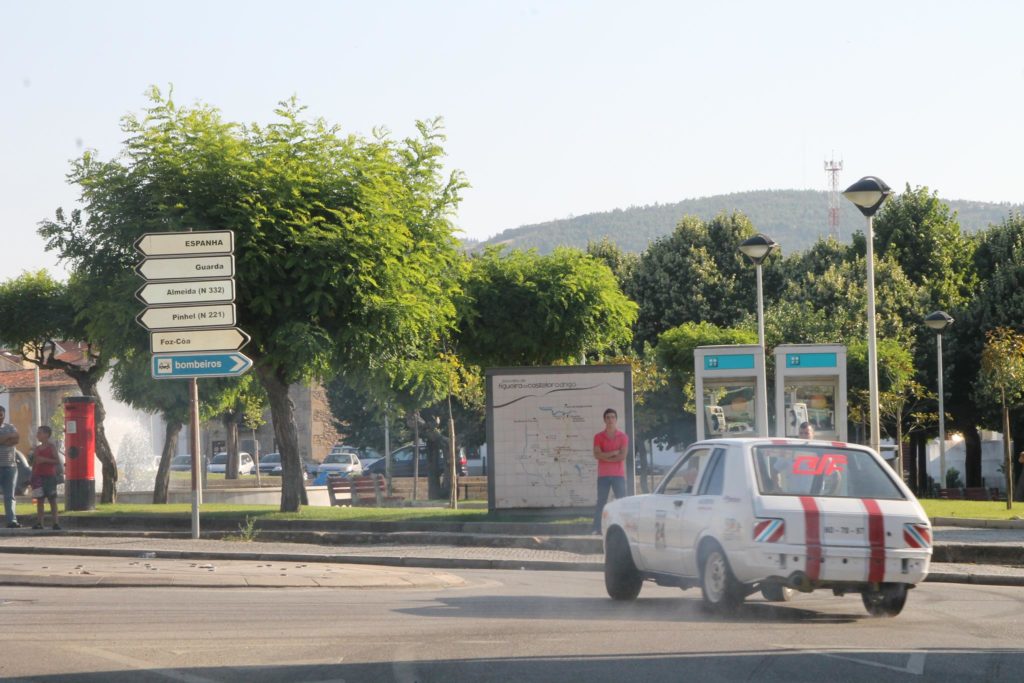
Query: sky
{"x": 552, "y": 109}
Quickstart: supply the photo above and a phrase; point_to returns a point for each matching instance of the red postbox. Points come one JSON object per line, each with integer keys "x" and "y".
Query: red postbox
{"x": 80, "y": 452}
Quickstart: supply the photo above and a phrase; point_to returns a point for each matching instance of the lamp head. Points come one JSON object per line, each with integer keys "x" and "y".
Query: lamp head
{"x": 938, "y": 321}
{"x": 758, "y": 247}
{"x": 867, "y": 194}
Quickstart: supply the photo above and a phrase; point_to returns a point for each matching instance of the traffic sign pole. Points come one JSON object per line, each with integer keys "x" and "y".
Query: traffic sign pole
{"x": 197, "y": 479}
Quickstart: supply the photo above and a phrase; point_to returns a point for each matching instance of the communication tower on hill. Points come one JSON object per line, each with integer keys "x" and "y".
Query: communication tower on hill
{"x": 832, "y": 168}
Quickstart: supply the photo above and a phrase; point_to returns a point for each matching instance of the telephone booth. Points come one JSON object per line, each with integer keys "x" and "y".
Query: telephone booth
{"x": 725, "y": 379}
{"x": 810, "y": 386}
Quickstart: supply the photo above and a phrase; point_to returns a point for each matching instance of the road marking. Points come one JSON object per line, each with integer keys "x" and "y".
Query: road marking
{"x": 915, "y": 659}
{"x": 148, "y": 667}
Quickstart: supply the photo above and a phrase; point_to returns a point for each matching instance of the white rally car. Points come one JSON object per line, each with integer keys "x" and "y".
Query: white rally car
{"x": 736, "y": 516}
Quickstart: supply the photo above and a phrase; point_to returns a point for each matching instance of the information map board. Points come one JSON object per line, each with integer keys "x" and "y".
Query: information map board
{"x": 541, "y": 424}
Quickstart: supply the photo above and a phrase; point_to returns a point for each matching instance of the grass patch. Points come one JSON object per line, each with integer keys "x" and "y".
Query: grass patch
{"x": 971, "y": 509}
{"x": 244, "y": 513}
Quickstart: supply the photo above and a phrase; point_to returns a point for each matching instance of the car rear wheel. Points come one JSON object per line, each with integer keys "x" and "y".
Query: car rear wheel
{"x": 887, "y": 601}
{"x": 776, "y": 592}
{"x": 721, "y": 591}
{"x": 622, "y": 579}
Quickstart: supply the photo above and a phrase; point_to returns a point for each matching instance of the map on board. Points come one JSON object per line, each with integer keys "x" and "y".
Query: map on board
{"x": 543, "y": 427}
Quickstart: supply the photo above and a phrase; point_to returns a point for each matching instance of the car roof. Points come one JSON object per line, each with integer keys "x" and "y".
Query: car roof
{"x": 778, "y": 441}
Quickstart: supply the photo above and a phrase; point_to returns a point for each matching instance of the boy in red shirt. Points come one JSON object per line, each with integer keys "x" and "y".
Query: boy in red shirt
{"x": 44, "y": 475}
{"x": 610, "y": 447}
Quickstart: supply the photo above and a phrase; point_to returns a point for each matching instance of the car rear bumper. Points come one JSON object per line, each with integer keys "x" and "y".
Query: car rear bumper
{"x": 839, "y": 564}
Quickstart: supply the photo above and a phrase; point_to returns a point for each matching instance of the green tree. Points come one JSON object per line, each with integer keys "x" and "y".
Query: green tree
{"x": 520, "y": 308}
{"x": 38, "y": 312}
{"x": 923, "y": 235}
{"x": 344, "y": 247}
{"x": 998, "y": 301}
{"x": 1002, "y": 381}
{"x": 696, "y": 274}
{"x": 622, "y": 263}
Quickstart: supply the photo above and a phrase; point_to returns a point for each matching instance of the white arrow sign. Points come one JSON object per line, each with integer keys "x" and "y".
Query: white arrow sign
{"x": 187, "y": 292}
{"x": 186, "y": 243}
{"x": 228, "y": 339}
{"x": 178, "y": 317}
{"x": 187, "y": 268}
{"x": 216, "y": 364}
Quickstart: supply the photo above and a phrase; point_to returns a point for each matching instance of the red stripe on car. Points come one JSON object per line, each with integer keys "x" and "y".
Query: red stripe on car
{"x": 876, "y": 537}
{"x": 812, "y": 533}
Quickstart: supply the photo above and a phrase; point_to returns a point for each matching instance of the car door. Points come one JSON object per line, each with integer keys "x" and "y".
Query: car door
{"x": 671, "y": 503}
{"x": 703, "y": 510}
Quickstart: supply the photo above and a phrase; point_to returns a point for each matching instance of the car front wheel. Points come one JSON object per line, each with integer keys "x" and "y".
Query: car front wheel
{"x": 622, "y": 579}
{"x": 721, "y": 591}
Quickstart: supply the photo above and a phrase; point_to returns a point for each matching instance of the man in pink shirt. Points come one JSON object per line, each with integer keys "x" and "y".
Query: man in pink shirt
{"x": 610, "y": 447}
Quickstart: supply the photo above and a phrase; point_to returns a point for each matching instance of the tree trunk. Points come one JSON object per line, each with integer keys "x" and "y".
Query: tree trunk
{"x": 231, "y": 438}
{"x": 641, "y": 452}
{"x": 972, "y": 458}
{"x": 1007, "y": 459}
{"x": 921, "y": 456}
{"x": 282, "y": 411}
{"x": 163, "y": 472}
{"x": 899, "y": 448}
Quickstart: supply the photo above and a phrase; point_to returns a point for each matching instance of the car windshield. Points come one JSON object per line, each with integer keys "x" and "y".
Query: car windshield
{"x": 799, "y": 470}
{"x": 338, "y": 458}
{"x": 271, "y": 458}
{"x": 220, "y": 459}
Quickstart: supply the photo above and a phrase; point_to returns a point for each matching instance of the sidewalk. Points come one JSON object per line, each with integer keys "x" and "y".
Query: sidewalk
{"x": 163, "y": 558}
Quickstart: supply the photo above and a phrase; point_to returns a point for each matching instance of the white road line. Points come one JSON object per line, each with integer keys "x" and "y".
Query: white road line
{"x": 141, "y": 665}
{"x": 915, "y": 663}
{"x": 915, "y": 658}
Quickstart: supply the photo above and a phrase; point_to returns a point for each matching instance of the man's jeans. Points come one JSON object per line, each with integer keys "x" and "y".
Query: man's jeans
{"x": 8, "y": 477}
{"x": 604, "y": 485}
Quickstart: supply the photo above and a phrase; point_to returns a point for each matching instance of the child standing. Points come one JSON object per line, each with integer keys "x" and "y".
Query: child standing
{"x": 44, "y": 475}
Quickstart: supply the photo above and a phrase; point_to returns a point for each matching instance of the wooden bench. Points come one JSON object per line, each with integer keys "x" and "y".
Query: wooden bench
{"x": 977, "y": 493}
{"x": 364, "y": 490}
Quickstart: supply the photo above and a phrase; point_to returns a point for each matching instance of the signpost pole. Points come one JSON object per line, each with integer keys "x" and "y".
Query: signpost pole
{"x": 197, "y": 486}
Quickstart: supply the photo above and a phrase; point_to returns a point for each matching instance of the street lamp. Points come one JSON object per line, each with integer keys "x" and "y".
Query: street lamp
{"x": 867, "y": 194}
{"x": 939, "y": 321}
{"x": 757, "y": 249}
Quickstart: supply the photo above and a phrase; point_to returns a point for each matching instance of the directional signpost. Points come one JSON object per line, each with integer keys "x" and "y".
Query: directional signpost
{"x": 179, "y": 365}
{"x": 174, "y": 317}
{"x": 190, "y": 294}
{"x": 183, "y": 293}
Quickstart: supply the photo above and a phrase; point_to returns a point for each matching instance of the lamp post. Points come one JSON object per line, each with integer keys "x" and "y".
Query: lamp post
{"x": 867, "y": 194}
{"x": 939, "y": 321}
{"x": 757, "y": 249}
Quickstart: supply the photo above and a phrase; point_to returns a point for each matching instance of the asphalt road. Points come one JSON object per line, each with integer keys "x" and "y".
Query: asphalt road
{"x": 500, "y": 626}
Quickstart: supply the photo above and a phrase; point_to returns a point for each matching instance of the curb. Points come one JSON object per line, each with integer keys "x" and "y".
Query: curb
{"x": 412, "y": 562}
{"x": 978, "y": 523}
{"x": 380, "y": 560}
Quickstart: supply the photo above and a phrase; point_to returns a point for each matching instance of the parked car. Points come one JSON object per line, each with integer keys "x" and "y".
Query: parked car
{"x": 271, "y": 464}
{"x": 738, "y": 516}
{"x": 181, "y": 463}
{"x": 343, "y": 460}
{"x": 368, "y": 456}
{"x": 476, "y": 464}
{"x": 402, "y": 463}
{"x": 219, "y": 462}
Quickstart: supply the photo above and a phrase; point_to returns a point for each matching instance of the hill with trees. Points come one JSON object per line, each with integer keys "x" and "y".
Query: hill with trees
{"x": 793, "y": 218}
